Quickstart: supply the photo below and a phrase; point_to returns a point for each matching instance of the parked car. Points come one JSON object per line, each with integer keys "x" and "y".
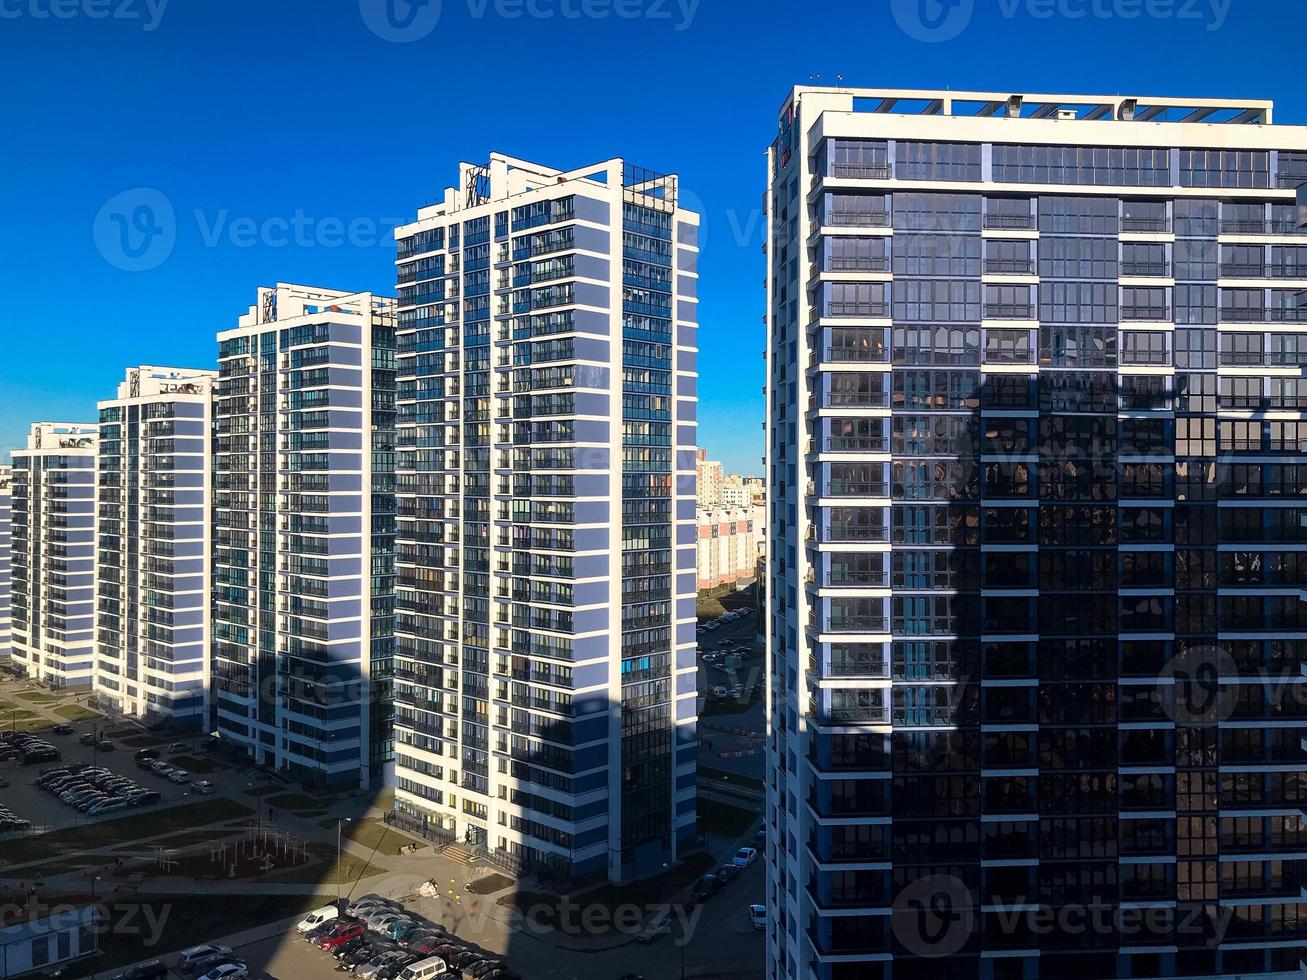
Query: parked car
{"x": 179, "y": 776}
{"x": 377, "y": 963}
{"x": 228, "y": 971}
{"x": 146, "y": 754}
{"x": 370, "y": 900}
{"x": 344, "y": 932}
{"x": 348, "y": 946}
{"x": 318, "y": 916}
{"x": 398, "y": 929}
{"x": 214, "y": 960}
{"x": 153, "y": 970}
{"x": 744, "y": 856}
{"x": 425, "y": 969}
{"x": 758, "y": 916}
{"x": 706, "y": 887}
{"x": 728, "y": 873}
{"x": 189, "y": 957}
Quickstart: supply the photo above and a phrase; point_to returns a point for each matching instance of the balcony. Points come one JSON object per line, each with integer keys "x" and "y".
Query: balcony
{"x": 1008, "y": 311}
{"x": 856, "y": 310}
{"x": 1150, "y": 269}
{"x": 848, "y": 488}
{"x": 1256, "y": 270}
{"x": 857, "y": 263}
{"x": 856, "y": 355}
{"x": 1010, "y": 267}
{"x": 872, "y": 171}
{"x": 1259, "y": 226}
{"x": 856, "y": 444}
{"x": 1146, "y": 225}
{"x": 862, "y": 714}
{"x": 1009, "y": 222}
{"x": 852, "y": 624}
{"x": 1277, "y": 314}
{"x": 1146, "y": 313}
{"x": 858, "y": 219}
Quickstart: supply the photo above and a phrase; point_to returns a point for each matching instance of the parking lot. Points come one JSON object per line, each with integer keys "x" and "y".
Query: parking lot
{"x": 372, "y": 937}
{"x": 46, "y": 810}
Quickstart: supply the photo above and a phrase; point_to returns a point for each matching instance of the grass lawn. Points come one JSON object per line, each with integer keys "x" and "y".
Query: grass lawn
{"x": 30, "y": 723}
{"x": 732, "y": 777}
{"x": 111, "y": 832}
{"x": 325, "y": 870}
{"x": 188, "y": 920}
{"x": 76, "y": 712}
{"x": 724, "y": 819}
{"x": 489, "y": 884}
{"x": 36, "y": 697}
{"x": 187, "y": 838}
{"x": 298, "y": 801}
{"x": 141, "y": 741}
{"x": 372, "y": 834}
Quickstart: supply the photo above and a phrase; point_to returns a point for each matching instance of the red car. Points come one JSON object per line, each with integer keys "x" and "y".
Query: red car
{"x": 427, "y": 946}
{"x": 340, "y": 935}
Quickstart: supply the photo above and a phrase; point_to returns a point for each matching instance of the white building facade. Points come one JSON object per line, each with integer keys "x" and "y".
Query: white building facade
{"x": 303, "y": 534}
{"x": 6, "y": 558}
{"x": 53, "y": 554}
{"x": 152, "y": 633}
{"x": 545, "y": 667}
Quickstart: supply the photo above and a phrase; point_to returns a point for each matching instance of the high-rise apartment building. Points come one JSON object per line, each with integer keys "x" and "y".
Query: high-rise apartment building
{"x": 152, "y": 579}
{"x": 708, "y": 481}
{"x": 303, "y": 535}
{"x": 6, "y": 557}
{"x": 53, "y": 552}
{"x": 1034, "y": 459}
{"x": 544, "y": 677}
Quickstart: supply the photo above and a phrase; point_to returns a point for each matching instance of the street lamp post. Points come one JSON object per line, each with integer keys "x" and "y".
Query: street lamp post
{"x": 340, "y": 822}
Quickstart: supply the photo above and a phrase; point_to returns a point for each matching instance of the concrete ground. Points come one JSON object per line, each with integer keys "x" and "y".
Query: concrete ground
{"x": 720, "y": 940}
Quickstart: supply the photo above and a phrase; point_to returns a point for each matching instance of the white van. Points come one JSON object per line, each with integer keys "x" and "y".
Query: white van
{"x": 431, "y": 967}
{"x": 317, "y": 917}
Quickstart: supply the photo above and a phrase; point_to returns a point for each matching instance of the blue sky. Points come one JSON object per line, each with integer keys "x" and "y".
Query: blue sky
{"x": 287, "y": 137}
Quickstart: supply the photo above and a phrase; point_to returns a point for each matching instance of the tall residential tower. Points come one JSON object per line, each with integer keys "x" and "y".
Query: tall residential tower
{"x": 303, "y": 534}
{"x": 6, "y": 558}
{"x": 545, "y": 671}
{"x": 1037, "y": 513}
{"x": 152, "y": 631}
{"x": 53, "y": 592}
